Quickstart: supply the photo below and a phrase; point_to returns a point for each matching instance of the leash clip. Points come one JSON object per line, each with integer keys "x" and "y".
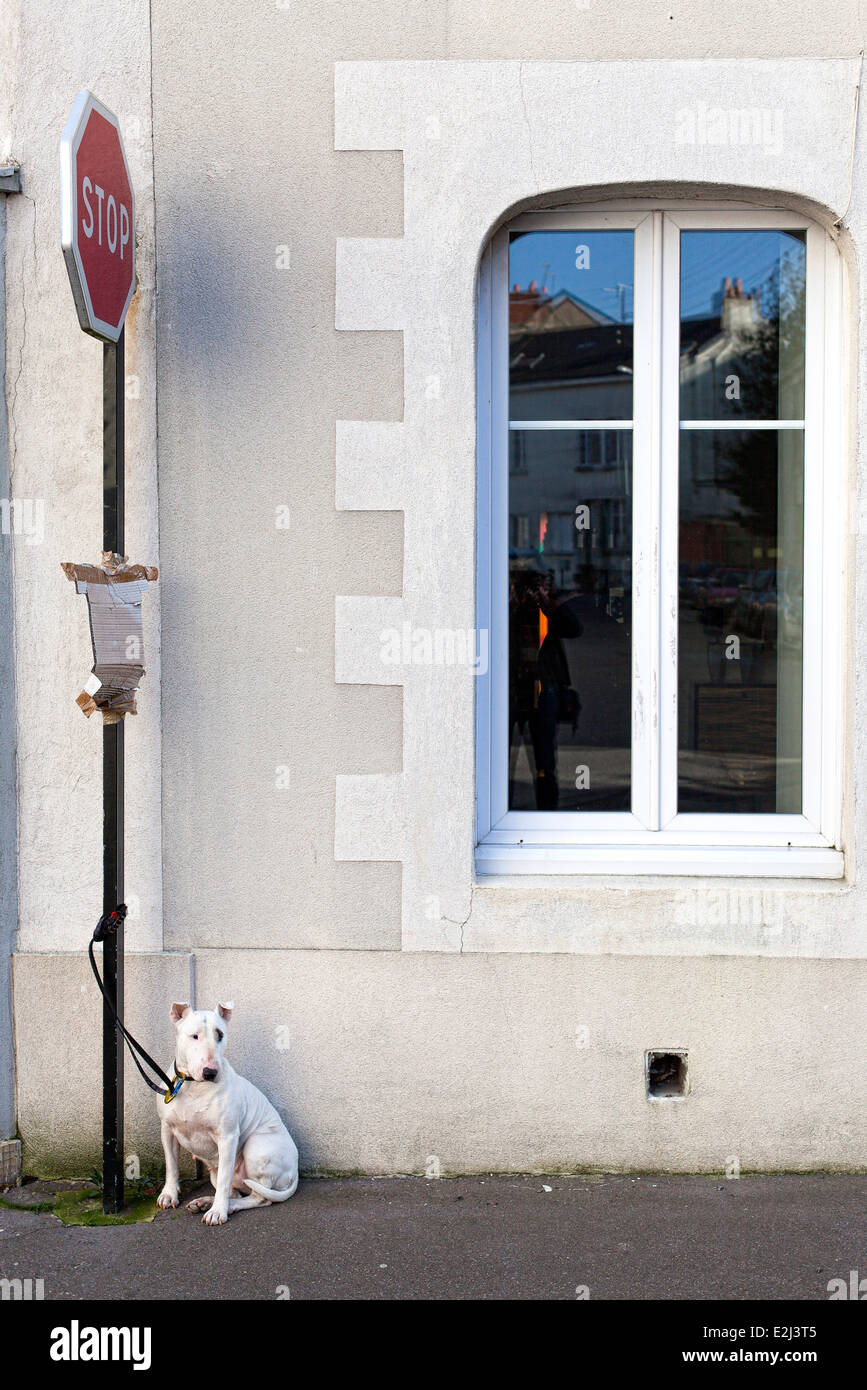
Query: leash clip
{"x": 176, "y": 1086}
{"x": 109, "y": 922}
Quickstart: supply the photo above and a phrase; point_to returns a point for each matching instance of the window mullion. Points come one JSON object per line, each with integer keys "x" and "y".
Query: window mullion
{"x": 645, "y": 524}
{"x": 668, "y": 436}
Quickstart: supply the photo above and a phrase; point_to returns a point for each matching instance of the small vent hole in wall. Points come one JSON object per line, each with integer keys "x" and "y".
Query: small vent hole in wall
{"x": 666, "y": 1074}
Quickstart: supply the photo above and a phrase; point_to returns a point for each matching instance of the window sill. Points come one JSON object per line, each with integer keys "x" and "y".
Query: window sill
{"x": 727, "y": 861}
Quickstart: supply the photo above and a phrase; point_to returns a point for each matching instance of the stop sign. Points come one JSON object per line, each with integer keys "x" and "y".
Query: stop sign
{"x": 97, "y": 217}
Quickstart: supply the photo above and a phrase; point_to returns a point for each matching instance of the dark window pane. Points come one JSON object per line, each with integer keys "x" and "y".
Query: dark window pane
{"x": 740, "y": 625}
{"x": 570, "y": 325}
{"x": 570, "y": 620}
{"x": 742, "y": 325}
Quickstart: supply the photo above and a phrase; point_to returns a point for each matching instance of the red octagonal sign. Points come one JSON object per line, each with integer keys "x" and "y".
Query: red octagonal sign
{"x": 97, "y": 217}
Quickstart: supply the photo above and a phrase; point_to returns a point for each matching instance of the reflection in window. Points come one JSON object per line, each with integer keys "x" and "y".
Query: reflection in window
{"x": 570, "y": 626}
{"x": 570, "y": 325}
{"x": 741, "y": 555}
{"x": 570, "y": 520}
{"x": 740, "y": 628}
{"x": 742, "y": 297}
{"x": 741, "y": 520}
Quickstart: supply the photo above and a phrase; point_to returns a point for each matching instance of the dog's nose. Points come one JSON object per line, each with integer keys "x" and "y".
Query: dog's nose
{"x": 209, "y": 1073}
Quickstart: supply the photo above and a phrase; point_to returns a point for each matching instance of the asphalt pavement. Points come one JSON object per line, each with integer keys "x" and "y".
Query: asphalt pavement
{"x": 602, "y": 1237}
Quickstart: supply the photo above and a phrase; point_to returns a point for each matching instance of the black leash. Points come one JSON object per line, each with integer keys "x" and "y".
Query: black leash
{"x": 109, "y": 922}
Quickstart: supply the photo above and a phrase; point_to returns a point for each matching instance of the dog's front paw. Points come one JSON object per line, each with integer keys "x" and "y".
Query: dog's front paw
{"x": 168, "y": 1197}
{"x": 217, "y": 1216}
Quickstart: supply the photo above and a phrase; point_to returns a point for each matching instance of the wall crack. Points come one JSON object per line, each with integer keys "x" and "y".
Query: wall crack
{"x": 529, "y": 127}
{"x": 22, "y": 346}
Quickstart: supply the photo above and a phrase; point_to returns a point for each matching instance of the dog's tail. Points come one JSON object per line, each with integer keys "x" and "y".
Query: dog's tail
{"x": 271, "y": 1193}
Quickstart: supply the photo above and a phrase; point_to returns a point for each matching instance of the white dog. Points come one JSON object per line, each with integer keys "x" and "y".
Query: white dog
{"x": 224, "y": 1121}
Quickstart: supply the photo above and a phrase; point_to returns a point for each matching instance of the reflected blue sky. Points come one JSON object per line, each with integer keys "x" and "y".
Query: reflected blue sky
{"x": 707, "y": 259}
{"x": 549, "y": 258}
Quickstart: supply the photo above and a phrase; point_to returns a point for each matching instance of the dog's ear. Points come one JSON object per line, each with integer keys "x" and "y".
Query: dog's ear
{"x": 225, "y": 1010}
{"x": 179, "y": 1011}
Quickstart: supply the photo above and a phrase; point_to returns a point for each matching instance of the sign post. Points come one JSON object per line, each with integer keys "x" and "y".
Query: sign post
{"x": 97, "y": 233}
{"x": 112, "y": 796}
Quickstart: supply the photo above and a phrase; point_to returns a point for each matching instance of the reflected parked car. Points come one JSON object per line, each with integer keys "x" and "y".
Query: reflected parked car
{"x": 693, "y": 579}
{"x": 755, "y": 614}
{"x": 717, "y": 599}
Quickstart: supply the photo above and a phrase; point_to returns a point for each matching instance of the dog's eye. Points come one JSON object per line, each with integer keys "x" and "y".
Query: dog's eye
{"x": 219, "y": 1036}
{"x": 195, "y": 1037}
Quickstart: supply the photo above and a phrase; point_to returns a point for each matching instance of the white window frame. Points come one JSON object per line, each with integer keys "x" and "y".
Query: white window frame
{"x": 653, "y": 838}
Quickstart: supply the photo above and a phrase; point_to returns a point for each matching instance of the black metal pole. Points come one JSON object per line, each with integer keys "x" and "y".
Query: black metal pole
{"x": 112, "y": 796}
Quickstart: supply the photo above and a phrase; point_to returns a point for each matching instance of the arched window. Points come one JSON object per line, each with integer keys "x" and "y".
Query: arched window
{"x": 660, "y": 557}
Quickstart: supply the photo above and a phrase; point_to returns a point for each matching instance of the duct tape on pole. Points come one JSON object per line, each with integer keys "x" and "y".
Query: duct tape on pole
{"x": 97, "y": 217}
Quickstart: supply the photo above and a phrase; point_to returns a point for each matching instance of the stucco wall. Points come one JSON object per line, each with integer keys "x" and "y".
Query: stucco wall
{"x": 252, "y": 393}
{"x": 59, "y": 1064}
{"x": 54, "y": 402}
{"x": 480, "y": 139}
{"x": 258, "y": 389}
{"x": 378, "y": 1057}
{"x": 53, "y": 418}
{"x": 381, "y": 1061}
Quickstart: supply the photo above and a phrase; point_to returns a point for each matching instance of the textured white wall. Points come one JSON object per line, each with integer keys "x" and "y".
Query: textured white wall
{"x": 54, "y": 402}
{"x": 59, "y": 1072}
{"x": 378, "y": 1060}
{"x": 479, "y": 139}
{"x": 384, "y": 1056}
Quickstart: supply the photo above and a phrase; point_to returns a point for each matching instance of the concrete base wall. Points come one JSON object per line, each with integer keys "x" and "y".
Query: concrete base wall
{"x": 58, "y": 1045}
{"x": 383, "y": 1061}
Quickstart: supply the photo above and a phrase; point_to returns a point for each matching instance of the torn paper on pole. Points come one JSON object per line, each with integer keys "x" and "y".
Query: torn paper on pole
{"x": 114, "y": 591}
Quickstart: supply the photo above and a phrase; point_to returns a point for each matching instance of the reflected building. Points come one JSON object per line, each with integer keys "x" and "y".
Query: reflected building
{"x": 570, "y": 519}
{"x": 740, "y": 526}
{"x": 568, "y": 361}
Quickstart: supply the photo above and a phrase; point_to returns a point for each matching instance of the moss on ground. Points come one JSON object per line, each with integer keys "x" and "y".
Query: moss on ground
{"x": 80, "y": 1203}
